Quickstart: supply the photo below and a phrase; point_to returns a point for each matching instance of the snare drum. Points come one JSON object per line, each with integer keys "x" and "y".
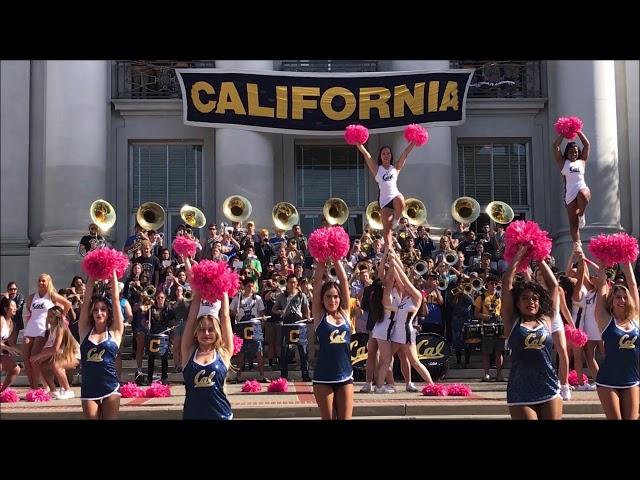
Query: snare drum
{"x": 472, "y": 333}
{"x": 250, "y": 330}
{"x": 294, "y": 333}
{"x": 489, "y": 329}
{"x": 156, "y": 343}
{"x": 500, "y": 327}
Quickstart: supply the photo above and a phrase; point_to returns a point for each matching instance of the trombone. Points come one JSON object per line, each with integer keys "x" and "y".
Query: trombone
{"x": 284, "y": 215}
{"x": 335, "y": 211}
{"x": 465, "y": 210}
{"x": 415, "y": 211}
{"x": 236, "y": 208}
{"x": 192, "y": 216}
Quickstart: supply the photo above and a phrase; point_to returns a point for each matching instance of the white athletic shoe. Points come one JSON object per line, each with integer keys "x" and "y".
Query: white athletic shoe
{"x": 366, "y": 388}
{"x": 581, "y": 222}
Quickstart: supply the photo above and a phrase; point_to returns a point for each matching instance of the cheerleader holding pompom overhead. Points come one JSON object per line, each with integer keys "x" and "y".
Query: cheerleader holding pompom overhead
{"x": 390, "y": 199}
{"x": 572, "y": 165}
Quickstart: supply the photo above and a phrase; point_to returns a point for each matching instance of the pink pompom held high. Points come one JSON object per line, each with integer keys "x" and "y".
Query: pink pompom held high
{"x": 355, "y": 134}
{"x": 416, "y": 134}
{"x": 616, "y": 248}
{"x": 568, "y": 127}
{"x": 523, "y": 232}
{"x": 185, "y": 247}
{"x": 100, "y": 263}
{"x": 213, "y": 280}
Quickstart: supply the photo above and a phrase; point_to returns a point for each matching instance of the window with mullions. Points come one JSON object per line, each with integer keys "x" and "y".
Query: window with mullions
{"x": 325, "y": 171}
{"x": 170, "y": 175}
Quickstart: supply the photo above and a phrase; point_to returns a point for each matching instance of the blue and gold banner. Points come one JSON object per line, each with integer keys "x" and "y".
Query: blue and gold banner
{"x": 322, "y": 103}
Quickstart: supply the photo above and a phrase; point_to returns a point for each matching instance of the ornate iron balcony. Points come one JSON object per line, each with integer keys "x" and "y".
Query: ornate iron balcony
{"x": 151, "y": 79}
{"x": 503, "y": 79}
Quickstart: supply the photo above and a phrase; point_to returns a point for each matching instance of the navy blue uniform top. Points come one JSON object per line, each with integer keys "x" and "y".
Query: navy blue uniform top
{"x": 334, "y": 356}
{"x": 99, "y": 375}
{"x": 619, "y": 369}
{"x": 532, "y": 378}
{"x": 204, "y": 395}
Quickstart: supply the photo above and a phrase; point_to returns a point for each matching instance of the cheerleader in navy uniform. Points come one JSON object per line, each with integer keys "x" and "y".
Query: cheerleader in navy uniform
{"x": 333, "y": 375}
{"x": 207, "y": 347}
{"x": 617, "y": 317}
{"x": 101, "y": 328}
{"x": 527, "y": 309}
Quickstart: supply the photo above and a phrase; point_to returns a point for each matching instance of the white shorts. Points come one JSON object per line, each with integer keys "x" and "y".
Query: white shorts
{"x": 399, "y": 334}
{"x": 589, "y": 326}
{"x": 381, "y": 329}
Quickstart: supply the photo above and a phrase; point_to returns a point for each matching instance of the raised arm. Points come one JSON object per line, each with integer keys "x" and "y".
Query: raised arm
{"x": 83, "y": 324}
{"x": 225, "y": 328}
{"x": 552, "y": 283}
{"x": 507, "y": 309}
{"x": 586, "y": 146}
{"x": 316, "y": 307}
{"x": 602, "y": 289}
{"x": 577, "y": 288}
{"x": 186, "y": 342}
{"x": 408, "y": 286}
{"x": 557, "y": 153}
{"x": 627, "y": 269}
{"x": 344, "y": 288}
{"x": 118, "y": 321}
{"x": 403, "y": 156}
{"x": 373, "y": 168}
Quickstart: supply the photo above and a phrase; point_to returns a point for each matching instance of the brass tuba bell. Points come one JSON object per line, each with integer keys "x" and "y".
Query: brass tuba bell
{"x": 415, "y": 211}
{"x": 465, "y": 210}
{"x": 374, "y": 215}
{"x": 102, "y": 214}
{"x": 236, "y": 208}
{"x": 150, "y": 216}
{"x": 284, "y": 215}
{"x": 500, "y": 212}
{"x": 193, "y": 216}
{"x": 335, "y": 211}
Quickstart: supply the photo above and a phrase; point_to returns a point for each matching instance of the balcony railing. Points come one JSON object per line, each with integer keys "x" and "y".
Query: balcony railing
{"x": 151, "y": 79}
{"x": 503, "y": 79}
{"x": 329, "y": 66}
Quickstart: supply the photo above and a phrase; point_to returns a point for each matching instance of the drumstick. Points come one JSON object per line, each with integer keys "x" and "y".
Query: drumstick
{"x": 167, "y": 330}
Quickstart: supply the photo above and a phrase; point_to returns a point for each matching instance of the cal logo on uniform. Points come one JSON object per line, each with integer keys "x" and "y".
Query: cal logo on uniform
{"x": 532, "y": 341}
{"x": 200, "y": 380}
{"x": 94, "y": 356}
{"x": 337, "y": 337}
{"x": 627, "y": 343}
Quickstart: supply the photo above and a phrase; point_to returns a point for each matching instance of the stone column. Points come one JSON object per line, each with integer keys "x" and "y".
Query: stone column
{"x": 427, "y": 175}
{"x": 244, "y": 160}
{"x": 74, "y": 163}
{"x": 587, "y": 89}
{"x": 14, "y": 157}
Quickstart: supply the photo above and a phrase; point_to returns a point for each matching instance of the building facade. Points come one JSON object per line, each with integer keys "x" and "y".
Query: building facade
{"x": 76, "y": 131}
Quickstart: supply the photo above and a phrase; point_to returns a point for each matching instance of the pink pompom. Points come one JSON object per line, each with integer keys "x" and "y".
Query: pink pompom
{"x": 131, "y": 390}
{"x": 100, "y": 264}
{"x": 523, "y": 232}
{"x": 575, "y": 337}
{"x": 184, "y": 246}
{"x": 39, "y": 395}
{"x": 213, "y": 279}
{"x": 568, "y": 127}
{"x": 616, "y": 248}
{"x": 573, "y": 378}
{"x": 157, "y": 390}
{"x": 237, "y": 344}
{"x": 435, "y": 390}
{"x": 251, "y": 386}
{"x": 279, "y": 385}
{"x": 9, "y": 396}
{"x": 318, "y": 244}
{"x": 459, "y": 390}
{"x": 338, "y": 243}
{"x": 417, "y": 134}
{"x": 354, "y": 134}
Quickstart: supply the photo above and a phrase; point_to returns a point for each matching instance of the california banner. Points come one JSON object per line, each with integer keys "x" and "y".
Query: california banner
{"x": 322, "y": 103}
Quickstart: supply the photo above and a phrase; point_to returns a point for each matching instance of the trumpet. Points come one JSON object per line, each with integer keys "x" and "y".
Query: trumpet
{"x": 188, "y": 295}
{"x": 335, "y": 211}
{"x": 415, "y": 211}
{"x": 465, "y": 209}
{"x": 498, "y": 288}
{"x": 363, "y": 266}
{"x": 451, "y": 258}
{"x": 332, "y": 274}
{"x": 443, "y": 284}
{"x": 477, "y": 284}
{"x": 149, "y": 291}
{"x": 237, "y": 208}
{"x": 193, "y": 216}
{"x": 284, "y": 215}
{"x": 374, "y": 215}
{"x": 420, "y": 268}
{"x": 282, "y": 282}
{"x": 150, "y": 216}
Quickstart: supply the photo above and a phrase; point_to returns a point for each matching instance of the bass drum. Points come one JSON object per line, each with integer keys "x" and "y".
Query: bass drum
{"x": 359, "y": 355}
{"x": 433, "y": 353}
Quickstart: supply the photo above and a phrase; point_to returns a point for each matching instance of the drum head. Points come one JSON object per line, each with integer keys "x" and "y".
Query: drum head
{"x": 433, "y": 353}
{"x": 359, "y": 351}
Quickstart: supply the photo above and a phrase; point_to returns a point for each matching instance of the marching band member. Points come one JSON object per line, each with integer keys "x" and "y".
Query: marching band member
{"x": 390, "y": 199}
{"x": 101, "y": 329}
{"x": 92, "y": 241}
{"x": 333, "y": 375}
